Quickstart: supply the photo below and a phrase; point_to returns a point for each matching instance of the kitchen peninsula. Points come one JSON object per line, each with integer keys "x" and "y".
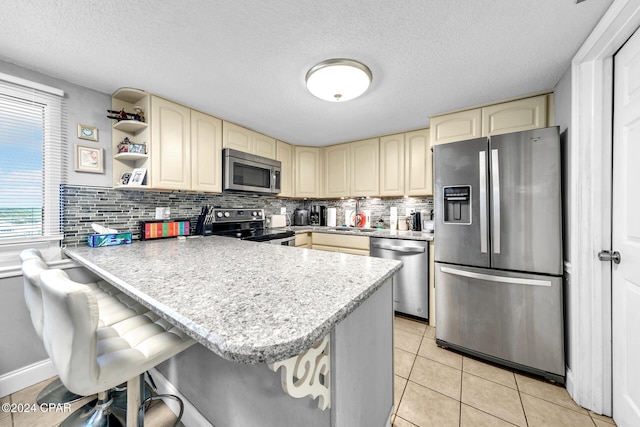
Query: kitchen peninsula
{"x": 251, "y": 306}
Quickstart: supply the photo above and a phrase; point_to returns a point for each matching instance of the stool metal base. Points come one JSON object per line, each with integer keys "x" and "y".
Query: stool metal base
{"x": 97, "y": 413}
{"x": 55, "y": 392}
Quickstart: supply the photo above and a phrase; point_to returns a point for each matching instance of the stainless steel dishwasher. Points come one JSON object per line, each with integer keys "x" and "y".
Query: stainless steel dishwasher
{"x": 411, "y": 283}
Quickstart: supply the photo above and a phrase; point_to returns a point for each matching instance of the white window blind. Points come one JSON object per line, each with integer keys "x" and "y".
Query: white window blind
{"x": 32, "y": 161}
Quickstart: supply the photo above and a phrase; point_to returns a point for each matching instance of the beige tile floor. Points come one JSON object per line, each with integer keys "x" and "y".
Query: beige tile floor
{"x": 438, "y": 387}
{"x": 433, "y": 387}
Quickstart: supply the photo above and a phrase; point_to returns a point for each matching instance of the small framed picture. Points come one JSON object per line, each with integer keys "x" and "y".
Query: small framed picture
{"x": 89, "y": 159}
{"x": 87, "y": 132}
{"x": 138, "y": 148}
{"x": 124, "y": 178}
{"x": 137, "y": 176}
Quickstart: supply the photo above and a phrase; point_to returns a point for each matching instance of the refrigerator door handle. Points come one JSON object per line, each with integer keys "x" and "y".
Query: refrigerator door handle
{"x": 498, "y": 279}
{"x": 495, "y": 181}
{"x": 482, "y": 161}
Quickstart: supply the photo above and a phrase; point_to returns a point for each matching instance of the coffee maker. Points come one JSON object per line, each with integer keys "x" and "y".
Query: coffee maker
{"x": 318, "y": 215}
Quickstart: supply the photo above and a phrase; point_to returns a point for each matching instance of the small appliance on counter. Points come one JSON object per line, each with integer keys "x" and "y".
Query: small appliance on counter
{"x": 416, "y": 221}
{"x": 300, "y": 217}
{"x": 276, "y": 221}
{"x": 331, "y": 217}
{"x": 427, "y": 221}
{"x": 318, "y": 215}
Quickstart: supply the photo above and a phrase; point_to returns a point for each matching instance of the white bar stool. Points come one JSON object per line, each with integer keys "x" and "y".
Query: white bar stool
{"x": 93, "y": 359}
{"x": 110, "y": 303}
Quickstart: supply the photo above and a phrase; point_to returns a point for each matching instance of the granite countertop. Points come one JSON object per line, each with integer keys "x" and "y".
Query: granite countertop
{"x": 248, "y": 302}
{"x": 370, "y": 232}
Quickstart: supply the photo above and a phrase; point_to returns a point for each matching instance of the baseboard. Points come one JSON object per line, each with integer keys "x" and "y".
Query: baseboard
{"x": 26, "y": 377}
{"x": 191, "y": 416}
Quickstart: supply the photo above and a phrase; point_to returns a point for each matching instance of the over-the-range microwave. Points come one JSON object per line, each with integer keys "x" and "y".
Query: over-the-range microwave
{"x": 248, "y": 173}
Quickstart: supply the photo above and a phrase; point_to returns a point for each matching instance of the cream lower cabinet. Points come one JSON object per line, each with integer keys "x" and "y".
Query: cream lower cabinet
{"x": 515, "y": 116}
{"x": 206, "y": 153}
{"x": 170, "y": 147}
{"x": 248, "y": 141}
{"x": 307, "y": 171}
{"x": 284, "y": 154}
{"x": 303, "y": 240}
{"x": 365, "y": 168}
{"x": 418, "y": 164}
{"x": 336, "y": 170}
{"x": 355, "y": 245}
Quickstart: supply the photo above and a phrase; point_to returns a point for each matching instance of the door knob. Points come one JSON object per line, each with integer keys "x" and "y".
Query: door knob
{"x": 609, "y": 256}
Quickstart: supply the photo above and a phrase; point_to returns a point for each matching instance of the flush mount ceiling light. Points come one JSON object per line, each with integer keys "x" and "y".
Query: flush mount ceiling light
{"x": 338, "y": 80}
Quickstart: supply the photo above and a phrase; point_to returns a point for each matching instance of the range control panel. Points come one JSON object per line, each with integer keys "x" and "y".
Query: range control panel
{"x": 237, "y": 215}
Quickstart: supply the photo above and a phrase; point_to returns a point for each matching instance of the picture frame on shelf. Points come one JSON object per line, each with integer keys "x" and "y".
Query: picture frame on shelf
{"x": 137, "y": 148}
{"x": 89, "y": 133}
{"x": 123, "y": 147}
{"x": 137, "y": 177}
{"x": 124, "y": 178}
{"x": 89, "y": 159}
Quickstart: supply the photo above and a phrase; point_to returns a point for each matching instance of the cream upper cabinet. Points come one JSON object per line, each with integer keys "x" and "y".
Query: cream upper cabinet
{"x": 206, "y": 152}
{"x": 392, "y": 165}
{"x": 336, "y": 170}
{"x": 515, "y": 116}
{"x": 170, "y": 145}
{"x": 264, "y": 145}
{"x": 248, "y": 141}
{"x": 307, "y": 171}
{"x": 284, "y": 153}
{"x": 365, "y": 168}
{"x": 236, "y": 137}
{"x": 456, "y": 126}
{"x": 418, "y": 164}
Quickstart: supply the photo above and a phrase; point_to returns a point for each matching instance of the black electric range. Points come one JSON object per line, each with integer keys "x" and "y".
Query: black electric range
{"x": 245, "y": 224}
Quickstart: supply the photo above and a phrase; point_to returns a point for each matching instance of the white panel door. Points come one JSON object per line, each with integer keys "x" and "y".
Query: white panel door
{"x": 626, "y": 235}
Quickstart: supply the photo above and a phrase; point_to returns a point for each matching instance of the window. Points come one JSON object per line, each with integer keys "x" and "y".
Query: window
{"x": 32, "y": 161}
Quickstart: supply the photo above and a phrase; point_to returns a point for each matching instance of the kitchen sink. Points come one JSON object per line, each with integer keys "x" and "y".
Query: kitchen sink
{"x": 353, "y": 229}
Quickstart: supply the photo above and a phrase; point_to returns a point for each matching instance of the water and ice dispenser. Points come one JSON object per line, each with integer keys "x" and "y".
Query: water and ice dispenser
{"x": 457, "y": 204}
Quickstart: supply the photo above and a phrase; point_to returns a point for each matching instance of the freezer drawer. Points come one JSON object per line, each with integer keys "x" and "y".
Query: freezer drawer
{"x": 507, "y": 317}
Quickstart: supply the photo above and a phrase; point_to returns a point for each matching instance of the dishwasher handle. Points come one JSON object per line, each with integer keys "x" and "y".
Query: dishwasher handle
{"x": 397, "y": 248}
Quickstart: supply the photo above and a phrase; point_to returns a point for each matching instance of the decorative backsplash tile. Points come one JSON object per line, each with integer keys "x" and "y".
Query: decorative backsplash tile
{"x": 124, "y": 209}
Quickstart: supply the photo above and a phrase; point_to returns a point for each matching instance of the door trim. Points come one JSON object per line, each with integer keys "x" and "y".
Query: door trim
{"x": 590, "y": 377}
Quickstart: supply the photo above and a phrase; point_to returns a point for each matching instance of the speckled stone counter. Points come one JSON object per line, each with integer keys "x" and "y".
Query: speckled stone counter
{"x": 247, "y": 302}
{"x": 370, "y": 232}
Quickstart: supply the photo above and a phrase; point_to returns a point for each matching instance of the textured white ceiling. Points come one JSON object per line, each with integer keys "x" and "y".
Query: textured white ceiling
{"x": 246, "y": 60}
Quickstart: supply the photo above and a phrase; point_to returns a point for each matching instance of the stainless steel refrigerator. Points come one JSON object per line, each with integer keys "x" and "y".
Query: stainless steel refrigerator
{"x": 498, "y": 250}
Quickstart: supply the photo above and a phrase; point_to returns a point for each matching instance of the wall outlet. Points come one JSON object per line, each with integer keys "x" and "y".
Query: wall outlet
{"x": 163, "y": 212}
{"x": 283, "y": 211}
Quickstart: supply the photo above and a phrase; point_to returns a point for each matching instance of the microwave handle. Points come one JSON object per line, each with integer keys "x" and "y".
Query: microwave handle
{"x": 276, "y": 180}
